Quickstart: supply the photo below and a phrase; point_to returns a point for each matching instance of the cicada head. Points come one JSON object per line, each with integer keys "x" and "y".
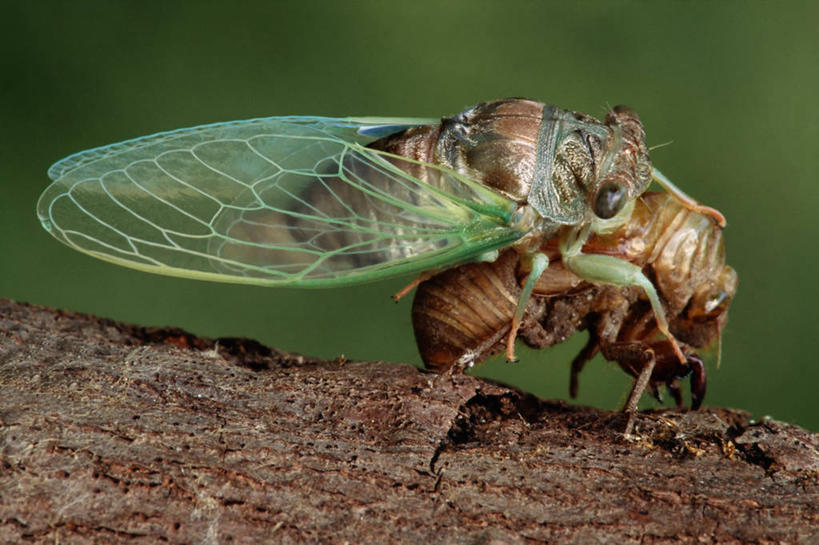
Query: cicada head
{"x": 587, "y": 170}
{"x": 625, "y": 170}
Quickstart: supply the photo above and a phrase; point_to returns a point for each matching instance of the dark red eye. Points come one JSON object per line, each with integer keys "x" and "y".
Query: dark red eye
{"x": 611, "y": 197}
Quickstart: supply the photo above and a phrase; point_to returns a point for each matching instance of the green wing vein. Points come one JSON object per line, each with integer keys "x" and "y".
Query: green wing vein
{"x": 296, "y": 201}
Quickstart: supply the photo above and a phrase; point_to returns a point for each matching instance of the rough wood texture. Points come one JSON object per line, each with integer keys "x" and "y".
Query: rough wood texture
{"x": 111, "y": 433}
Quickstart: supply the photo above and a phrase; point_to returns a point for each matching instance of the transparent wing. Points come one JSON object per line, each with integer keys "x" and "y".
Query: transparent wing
{"x": 276, "y": 201}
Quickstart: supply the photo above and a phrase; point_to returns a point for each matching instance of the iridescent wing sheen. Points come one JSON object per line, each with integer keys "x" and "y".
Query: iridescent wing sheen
{"x": 298, "y": 201}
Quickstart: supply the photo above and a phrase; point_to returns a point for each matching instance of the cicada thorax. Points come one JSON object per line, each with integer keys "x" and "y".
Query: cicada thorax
{"x": 566, "y": 165}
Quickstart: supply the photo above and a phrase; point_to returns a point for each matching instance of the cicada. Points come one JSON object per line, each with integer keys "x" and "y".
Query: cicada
{"x": 317, "y": 201}
{"x": 462, "y": 316}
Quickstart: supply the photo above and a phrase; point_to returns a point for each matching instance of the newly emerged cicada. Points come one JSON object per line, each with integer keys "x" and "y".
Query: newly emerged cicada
{"x": 462, "y": 316}
{"x": 316, "y": 201}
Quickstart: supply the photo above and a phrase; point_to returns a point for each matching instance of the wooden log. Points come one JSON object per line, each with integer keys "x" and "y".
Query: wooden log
{"x": 112, "y": 433}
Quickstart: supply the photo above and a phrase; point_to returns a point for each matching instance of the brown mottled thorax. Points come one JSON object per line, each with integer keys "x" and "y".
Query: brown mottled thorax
{"x": 556, "y": 160}
{"x": 494, "y": 143}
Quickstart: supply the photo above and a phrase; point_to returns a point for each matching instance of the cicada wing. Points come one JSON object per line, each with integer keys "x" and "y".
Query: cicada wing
{"x": 276, "y": 201}
{"x": 359, "y": 130}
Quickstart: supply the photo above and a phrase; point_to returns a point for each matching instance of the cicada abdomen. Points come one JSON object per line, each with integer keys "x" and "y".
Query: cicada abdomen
{"x": 461, "y": 315}
{"x": 682, "y": 251}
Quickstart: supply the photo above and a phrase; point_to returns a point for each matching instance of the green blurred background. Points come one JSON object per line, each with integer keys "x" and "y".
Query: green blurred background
{"x": 733, "y": 85}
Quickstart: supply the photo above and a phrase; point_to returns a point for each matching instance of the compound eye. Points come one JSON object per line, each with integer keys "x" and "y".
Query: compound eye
{"x": 611, "y": 197}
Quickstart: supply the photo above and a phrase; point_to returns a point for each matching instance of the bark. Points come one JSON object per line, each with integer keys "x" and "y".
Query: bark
{"x": 111, "y": 433}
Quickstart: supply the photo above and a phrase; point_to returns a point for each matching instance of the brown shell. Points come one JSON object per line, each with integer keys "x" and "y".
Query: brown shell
{"x": 464, "y": 313}
{"x": 457, "y": 311}
{"x": 685, "y": 250}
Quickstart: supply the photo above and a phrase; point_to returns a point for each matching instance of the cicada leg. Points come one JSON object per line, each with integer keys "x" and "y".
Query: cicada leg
{"x": 587, "y": 353}
{"x": 640, "y": 384}
{"x": 698, "y": 381}
{"x": 640, "y": 361}
{"x": 539, "y": 263}
{"x": 686, "y": 200}
{"x": 636, "y": 356}
{"x": 424, "y": 276}
{"x": 611, "y": 270}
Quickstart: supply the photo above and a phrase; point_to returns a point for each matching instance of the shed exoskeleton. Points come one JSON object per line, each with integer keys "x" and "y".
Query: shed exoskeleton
{"x": 462, "y": 316}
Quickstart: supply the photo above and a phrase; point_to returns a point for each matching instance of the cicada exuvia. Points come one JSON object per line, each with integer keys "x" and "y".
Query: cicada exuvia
{"x": 316, "y": 201}
{"x": 462, "y": 316}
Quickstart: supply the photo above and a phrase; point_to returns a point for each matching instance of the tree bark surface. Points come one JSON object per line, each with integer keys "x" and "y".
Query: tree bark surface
{"x": 111, "y": 433}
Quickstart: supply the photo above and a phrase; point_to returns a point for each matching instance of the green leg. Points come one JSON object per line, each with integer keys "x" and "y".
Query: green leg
{"x": 606, "y": 269}
{"x": 539, "y": 262}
